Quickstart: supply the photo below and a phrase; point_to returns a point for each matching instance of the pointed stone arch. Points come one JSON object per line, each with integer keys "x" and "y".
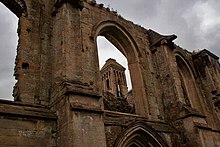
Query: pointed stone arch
{"x": 139, "y": 134}
{"x": 125, "y": 43}
{"x": 119, "y": 37}
{"x": 188, "y": 82}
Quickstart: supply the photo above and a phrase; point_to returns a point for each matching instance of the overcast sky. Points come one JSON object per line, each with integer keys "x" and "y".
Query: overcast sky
{"x": 8, "y": 45}
{"x": 195, "y": 22}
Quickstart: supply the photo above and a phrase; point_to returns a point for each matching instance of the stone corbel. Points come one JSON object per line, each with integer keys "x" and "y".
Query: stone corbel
{"x": 164, "y": 40}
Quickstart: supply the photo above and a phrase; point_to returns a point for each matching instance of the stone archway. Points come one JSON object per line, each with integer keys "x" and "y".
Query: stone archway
{"x": 188, "y": 84}
{"x": 139, "y": 134}
{"x": 119, "y": 37}
{"x": 125, "y": 43}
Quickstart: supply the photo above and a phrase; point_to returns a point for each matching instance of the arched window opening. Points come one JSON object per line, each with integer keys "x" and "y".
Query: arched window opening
{"x": 106, "y": 51}
{"x": 141, "y": 138}
{"x": 125, "y": 43}
{"x": 8, "y": 45}
{"x": 116, "y": 83}
{"x": 140, "y": 135}
{"x": 187, "y": 83}
{"x": 108, "y": 84}
{"x": 119, "y": 91}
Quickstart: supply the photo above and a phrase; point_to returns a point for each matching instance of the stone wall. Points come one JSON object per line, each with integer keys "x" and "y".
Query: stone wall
{"x": 26, "y": 125}
{"x": 58, "y": 99}
{"x": 117, "y": 123}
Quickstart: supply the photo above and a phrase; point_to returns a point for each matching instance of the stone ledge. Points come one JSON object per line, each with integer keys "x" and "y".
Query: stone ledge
{"x": 124, "y": 119}
{"x": 206, "y": 127}
{"x": 18, "y": 109}
{"x": 93, "y": 110}
{"x": 72, "y": 87}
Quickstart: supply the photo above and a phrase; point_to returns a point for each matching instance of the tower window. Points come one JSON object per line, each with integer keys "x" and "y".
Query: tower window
{"x": 107, "y": 84}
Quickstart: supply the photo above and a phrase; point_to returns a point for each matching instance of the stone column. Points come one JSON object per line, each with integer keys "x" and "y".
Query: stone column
{"x": 75, "y": 94}
{"x": 168, "y": 76}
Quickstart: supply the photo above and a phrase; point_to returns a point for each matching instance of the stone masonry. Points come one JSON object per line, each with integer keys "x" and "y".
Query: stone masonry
{"x": 58, "y": 98}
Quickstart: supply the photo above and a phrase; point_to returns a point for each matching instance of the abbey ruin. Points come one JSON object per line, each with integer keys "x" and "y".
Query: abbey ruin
{"x": 62, "y": 99}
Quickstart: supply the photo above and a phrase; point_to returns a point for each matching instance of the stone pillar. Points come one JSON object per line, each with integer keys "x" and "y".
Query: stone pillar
{"x": 168, "y": 77}
{"x": 208, "y": 69}
{"x": 75, "y": 93}
{"x": 32, "y": 68}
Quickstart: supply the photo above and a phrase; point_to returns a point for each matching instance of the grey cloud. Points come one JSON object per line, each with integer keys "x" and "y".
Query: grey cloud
{"x": 173, "y": 17}
{"x": 180, "y": 17}
{"x": 211, "y": 40}
{"x": 215, "y": 4}
{"x": 136, "y": 11}
{"x": 8, "y": 43}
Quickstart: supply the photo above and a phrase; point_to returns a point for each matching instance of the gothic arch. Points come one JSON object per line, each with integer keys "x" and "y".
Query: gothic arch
{"x": 185, "y": 58}
{"x": 124, "y": 42}
{"x": 18, "y": 7}
{"x": 187, "y": 81}
{"x": 139, "y": 134}
{"x": 119, "y": 37}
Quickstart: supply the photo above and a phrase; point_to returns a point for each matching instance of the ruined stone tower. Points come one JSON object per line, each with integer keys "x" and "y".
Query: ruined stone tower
{"x": 113, "y": 78}
{"x": 58, "y": 94}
